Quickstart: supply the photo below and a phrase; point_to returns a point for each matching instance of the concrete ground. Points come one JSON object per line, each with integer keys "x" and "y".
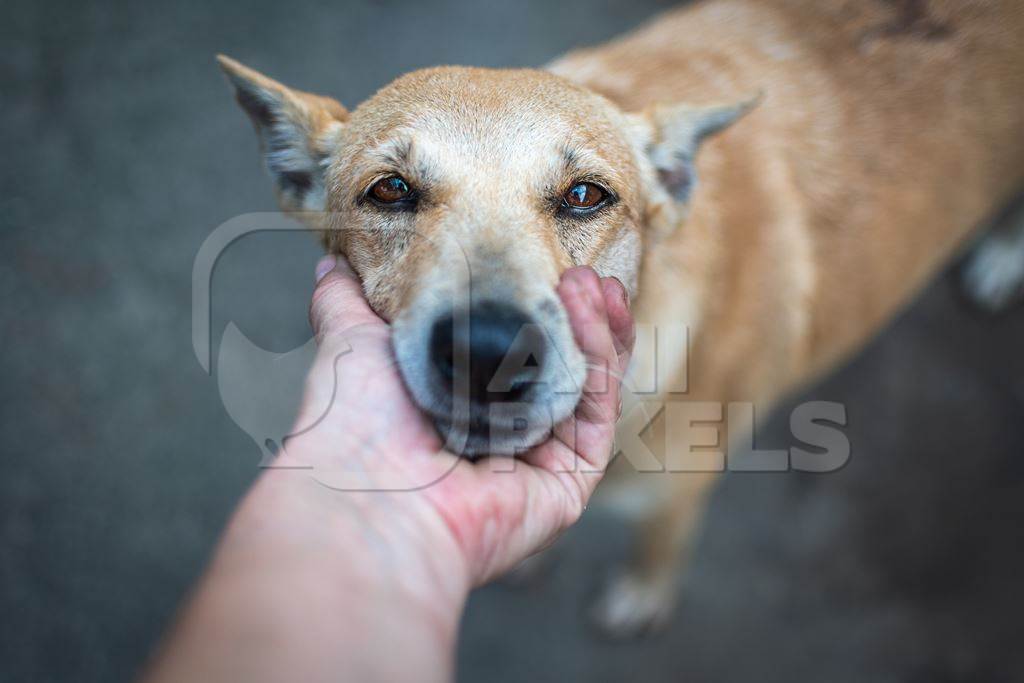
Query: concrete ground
{"x": 120, "y": 464}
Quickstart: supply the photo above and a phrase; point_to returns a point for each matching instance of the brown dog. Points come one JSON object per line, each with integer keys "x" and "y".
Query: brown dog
{"x": 866, "y": 139}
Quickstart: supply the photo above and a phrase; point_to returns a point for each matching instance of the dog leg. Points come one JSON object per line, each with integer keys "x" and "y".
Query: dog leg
{"x": 641, "y": 599}
{"x": 993, "y": 275}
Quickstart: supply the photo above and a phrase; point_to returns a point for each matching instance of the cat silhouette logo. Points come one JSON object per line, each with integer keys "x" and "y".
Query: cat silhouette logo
{"x": 260, "y": 389}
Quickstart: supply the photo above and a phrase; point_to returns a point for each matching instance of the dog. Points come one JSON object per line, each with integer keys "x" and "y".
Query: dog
{"x": 780, "y": 178}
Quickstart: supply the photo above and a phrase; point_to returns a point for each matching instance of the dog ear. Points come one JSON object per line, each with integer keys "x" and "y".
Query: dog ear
{"x": 296, "y": 132}
{"x": 675, "y": 134}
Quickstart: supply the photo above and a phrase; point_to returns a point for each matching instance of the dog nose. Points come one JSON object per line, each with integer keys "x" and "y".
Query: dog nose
{"x": 495, "y": 358}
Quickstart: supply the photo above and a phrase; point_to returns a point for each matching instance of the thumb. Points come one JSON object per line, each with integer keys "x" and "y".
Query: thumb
{"x": 338, "y": 301}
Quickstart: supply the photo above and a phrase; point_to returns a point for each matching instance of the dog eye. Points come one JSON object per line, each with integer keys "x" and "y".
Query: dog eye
{"x": 390, "y": 190}
{"x": 584, "y": 196}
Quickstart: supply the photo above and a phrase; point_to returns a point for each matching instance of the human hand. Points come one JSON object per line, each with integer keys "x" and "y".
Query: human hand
{"x": 360, "y": 431}
{"x": 314, "y": 583}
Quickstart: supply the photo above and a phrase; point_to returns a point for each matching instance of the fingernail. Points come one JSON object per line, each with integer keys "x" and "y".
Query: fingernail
{"x": 343, "y": 266}
{"x": 587, "y": 281}
{"x": 580, "y": 289}
{"x": 623, "y": 293}
{"x": 569, "y": 282}
{"x": 325, "y": 265}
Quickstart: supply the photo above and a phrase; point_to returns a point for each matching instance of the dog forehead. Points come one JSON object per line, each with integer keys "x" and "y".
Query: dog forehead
{"x": 493, "y": 107}
{"x": 461, "y": 123}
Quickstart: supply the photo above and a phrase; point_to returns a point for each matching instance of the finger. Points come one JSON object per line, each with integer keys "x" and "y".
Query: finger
{"x": 620, "y": 319}
{"x": 584, "y": 302}
{"x": 338, "y": 302}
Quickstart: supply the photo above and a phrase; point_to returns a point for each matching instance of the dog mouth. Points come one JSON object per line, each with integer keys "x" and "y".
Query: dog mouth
{"x": 480, "y": 437}
{"x": 504, "y": 423}
{"x": 493, "y": 380}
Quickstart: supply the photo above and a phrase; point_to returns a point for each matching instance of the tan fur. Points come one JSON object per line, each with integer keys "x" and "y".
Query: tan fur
{"x": 875, "y": 152}
{"x": 886, "y": 132}
{"x": 869, "y": 161}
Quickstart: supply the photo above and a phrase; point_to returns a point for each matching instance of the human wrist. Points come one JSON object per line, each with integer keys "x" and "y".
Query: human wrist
{"x": 383, "y": 543}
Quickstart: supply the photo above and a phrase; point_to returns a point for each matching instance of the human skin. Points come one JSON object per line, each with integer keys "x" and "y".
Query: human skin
{"x": 314, "y": 583}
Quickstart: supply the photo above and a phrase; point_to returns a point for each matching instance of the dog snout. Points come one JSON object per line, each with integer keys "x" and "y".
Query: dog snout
{"x": 495, "y": 353}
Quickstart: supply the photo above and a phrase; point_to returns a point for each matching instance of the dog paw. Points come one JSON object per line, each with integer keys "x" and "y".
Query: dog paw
{"x": 631, "y": 606}
{"x": 993, "y": 275}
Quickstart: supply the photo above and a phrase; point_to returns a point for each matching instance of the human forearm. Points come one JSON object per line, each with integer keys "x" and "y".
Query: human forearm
{"x": 318, "y": 583}
{"x": 315, "y": 584}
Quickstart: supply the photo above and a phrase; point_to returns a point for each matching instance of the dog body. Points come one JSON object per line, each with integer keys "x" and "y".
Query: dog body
{"x": 860, "y": 144}
{"x": 887, "y": 134}
{"x": 871, "y": 158}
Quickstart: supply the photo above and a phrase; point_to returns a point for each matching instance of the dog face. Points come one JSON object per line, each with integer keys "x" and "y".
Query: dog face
{"x": 459, "y": 196}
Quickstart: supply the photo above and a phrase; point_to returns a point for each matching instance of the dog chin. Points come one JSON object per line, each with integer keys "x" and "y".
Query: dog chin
{"x": 476, "y": 438}
{"x": 476, "y": 441}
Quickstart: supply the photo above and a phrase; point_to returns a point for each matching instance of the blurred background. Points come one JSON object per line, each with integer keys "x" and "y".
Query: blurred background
{"x": 120, "y": 465}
